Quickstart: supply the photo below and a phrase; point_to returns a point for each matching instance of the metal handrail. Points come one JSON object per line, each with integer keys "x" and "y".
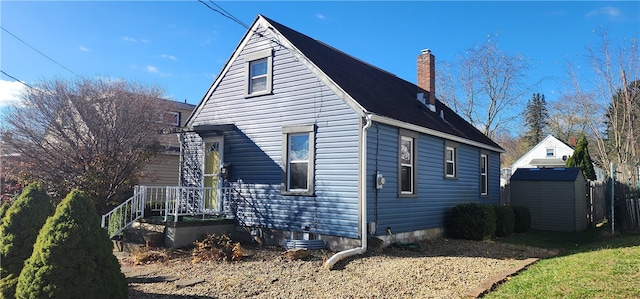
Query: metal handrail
{"x": 167, "y": 200}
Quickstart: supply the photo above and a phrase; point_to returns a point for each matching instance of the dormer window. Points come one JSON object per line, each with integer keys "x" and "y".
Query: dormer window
{"x": 259, "y": 73}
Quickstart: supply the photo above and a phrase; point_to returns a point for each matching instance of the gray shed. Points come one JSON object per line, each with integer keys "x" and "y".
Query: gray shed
{"x": 556, "y": 197}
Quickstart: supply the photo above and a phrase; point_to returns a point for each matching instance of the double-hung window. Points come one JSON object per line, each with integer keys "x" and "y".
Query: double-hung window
{"x": 259, "y": 73}
{"x": 407, "y": 157}
{"x": 298, "y": 160}
{"x": 484, "y": 174}
{"x": 450, "y": 161}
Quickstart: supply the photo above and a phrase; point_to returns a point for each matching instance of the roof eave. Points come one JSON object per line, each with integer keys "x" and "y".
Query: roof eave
{"x": 409, "y": 126}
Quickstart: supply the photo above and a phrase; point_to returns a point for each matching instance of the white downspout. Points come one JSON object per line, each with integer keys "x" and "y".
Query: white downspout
{"x": 363, "y": 203}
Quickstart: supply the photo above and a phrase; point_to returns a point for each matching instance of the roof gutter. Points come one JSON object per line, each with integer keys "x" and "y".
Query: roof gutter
{"x": 362, "y": 202}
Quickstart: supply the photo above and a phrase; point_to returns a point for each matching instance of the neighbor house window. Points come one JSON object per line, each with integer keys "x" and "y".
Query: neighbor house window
{"x": 450, "y": 161}
{"x": 484, "y": 174}
{"x": 407, "y": 163}
{"x": 298, "y": 160}
{"x": 171, "y": 118}
{"x": 259, "y": 73}
{"x": 550, "y": 152}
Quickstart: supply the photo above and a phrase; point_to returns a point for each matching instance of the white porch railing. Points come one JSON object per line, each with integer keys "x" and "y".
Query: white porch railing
{"x": 167, "y": 201}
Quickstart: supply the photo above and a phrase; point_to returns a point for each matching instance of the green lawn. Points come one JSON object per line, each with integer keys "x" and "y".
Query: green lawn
{"x": 591, "y": 264}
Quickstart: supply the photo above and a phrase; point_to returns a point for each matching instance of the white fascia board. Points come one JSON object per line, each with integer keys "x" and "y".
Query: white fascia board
{"x": 420, "y": 129}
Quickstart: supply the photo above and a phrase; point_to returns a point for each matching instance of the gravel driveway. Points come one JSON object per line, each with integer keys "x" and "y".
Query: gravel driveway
{"x": 442, "y": 268}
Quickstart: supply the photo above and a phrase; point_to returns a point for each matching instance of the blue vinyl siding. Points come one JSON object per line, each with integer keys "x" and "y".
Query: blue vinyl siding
{"x": 436, "y": 196}
{"x": 255, "y": 148}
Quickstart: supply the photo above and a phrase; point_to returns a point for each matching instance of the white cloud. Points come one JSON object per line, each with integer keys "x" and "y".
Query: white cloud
{"x": 320, "y": 16}
{"x": 10, "y": 92}
{"x": 83, "y": 49}
{"x": 169, "y": 57}
{"x": 609, "y": 11}
{"x": 152, "y": 69}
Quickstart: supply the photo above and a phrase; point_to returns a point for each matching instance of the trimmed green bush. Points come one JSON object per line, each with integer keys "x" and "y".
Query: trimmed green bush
{"x": 522, "y": 219}
{"x": 505, "y": 221}
{"x": 73, "y": 257}
{"x": 473, "y": 221}
{"x": 18, "y": 231}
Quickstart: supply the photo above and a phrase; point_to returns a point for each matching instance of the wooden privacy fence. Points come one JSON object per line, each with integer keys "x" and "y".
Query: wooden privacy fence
{"x": 596, "y": 201}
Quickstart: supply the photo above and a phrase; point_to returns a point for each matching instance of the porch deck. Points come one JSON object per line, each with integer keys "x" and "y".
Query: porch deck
{"x": 168, "y": 205}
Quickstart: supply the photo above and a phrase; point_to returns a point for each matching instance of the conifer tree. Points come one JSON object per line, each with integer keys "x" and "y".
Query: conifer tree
{"x": 3, "y": 209}
{"x": 582, "y": 159}
{"x": 18, "y": 231}
{"x": 536, "y": 119}
{"x": 73, "y": 257}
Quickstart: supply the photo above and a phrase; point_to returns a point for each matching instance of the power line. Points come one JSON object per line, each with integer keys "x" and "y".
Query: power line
{"x": 228, "y": 13}
{"x": 224, "y": 13}
{"x": 14, "y": 78}
{"x": 32, "y": 47}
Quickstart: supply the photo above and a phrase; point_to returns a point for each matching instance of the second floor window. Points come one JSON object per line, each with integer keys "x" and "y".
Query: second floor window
{"x": 259, "y": 73}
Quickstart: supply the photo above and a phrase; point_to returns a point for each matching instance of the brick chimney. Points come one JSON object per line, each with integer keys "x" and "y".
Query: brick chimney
{"x": 427, "y": 75}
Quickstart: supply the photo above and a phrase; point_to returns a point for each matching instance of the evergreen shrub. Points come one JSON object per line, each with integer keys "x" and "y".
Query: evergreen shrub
{"x": 522, "y": 218}
{"x": 505, "y": 221}
{"x": 73, "y": 256}
{"x": 473, "y": 221}
{"x": 18, "y": 231}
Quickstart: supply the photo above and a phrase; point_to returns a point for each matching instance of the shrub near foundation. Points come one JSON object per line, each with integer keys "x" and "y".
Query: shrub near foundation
{"x": 473, "y": 221}
{"x": 19, "y": 228}
{"x": 522, "y": 218}
{"x": 505, "y": 221}
{"x": 73, "y": 257}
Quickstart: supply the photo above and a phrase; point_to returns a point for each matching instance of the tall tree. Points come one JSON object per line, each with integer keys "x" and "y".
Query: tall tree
{"x": 582, "y": 159}
{"x": 623, "y": 125}
{"x": 606, "y": 96}
{"x": 536, "y": 119}
{"x": 564, "y": 123}
{"x": 485, "y": 85}
{"x": 91, "y": 134}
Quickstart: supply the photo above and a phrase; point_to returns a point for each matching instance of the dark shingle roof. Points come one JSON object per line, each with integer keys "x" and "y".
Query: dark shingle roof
{"x": 381, "y": 92}
{"x": 546, "y": 174}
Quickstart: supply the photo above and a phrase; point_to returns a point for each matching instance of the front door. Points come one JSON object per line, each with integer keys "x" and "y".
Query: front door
{"x": 213, "y": 155}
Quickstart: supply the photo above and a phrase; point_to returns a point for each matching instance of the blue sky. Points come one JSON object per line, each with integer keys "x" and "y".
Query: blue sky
{"x": 181, "y": 46}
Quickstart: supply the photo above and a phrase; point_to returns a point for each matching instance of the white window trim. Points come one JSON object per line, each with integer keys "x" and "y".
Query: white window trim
{"x": 454, "y": 148}
{"x": 286, "y": 133}
{"x": 265, "y": 54}
{"x": 484, "y": 176}
{"x": 413, "y": 137}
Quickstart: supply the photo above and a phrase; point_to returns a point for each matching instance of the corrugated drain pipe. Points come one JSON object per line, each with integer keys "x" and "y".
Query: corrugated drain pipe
{"x": 363, "y": 203}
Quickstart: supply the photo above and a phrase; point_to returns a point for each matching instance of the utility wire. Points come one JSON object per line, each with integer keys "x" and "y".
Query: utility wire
{"x": 228, "y": 13}
{"x": 224, "y": 13}
{"x": 30, "y": 46}
{"x": 14, "y": 78}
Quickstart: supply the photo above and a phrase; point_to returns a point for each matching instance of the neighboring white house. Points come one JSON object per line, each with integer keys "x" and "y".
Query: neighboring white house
{"x": 548, "y": 153}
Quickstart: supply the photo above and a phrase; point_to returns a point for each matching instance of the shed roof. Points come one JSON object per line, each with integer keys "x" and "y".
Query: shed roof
{"x": 546, "y": 174}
